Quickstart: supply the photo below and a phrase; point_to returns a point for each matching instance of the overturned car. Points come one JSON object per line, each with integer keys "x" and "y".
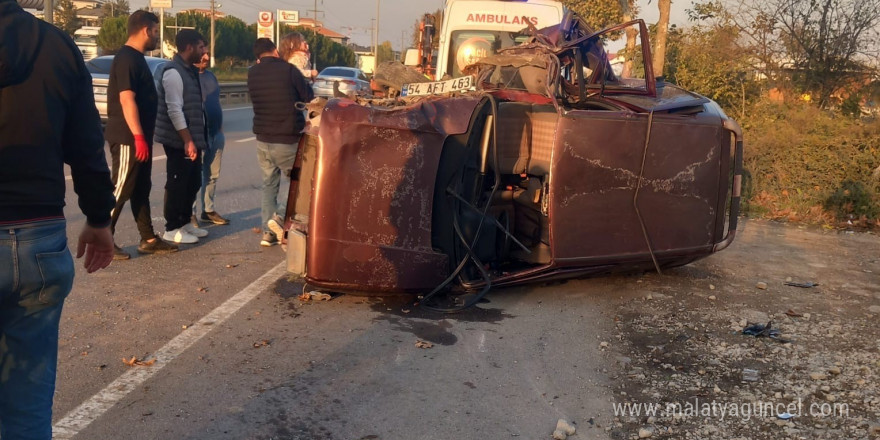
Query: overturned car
{"x": 552, "y": 167}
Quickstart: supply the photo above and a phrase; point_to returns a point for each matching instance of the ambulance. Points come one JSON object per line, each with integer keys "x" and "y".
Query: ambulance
{"x": 474, "y": 29}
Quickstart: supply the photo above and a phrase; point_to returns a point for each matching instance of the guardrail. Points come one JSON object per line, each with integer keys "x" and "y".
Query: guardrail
{"x": 234, "y": 93}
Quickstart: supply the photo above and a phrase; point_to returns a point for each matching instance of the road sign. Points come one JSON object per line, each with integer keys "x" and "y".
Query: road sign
{"x": 265, "y": 18}
{"x": 265, "y": 25}
{"x": 288, "y": 16}
{"x": 158, "y": 4}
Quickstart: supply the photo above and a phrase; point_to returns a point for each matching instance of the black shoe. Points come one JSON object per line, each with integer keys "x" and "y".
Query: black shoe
{"x": 157, "y": 246}
{"x": 215, "y": 218}
{"x": 119, "y": 254}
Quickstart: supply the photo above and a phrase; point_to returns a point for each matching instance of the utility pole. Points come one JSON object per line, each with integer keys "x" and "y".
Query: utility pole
{"x": 315, "y": 13}
{"x": 48, "y": 11}
{"x": 377, "y": 31}
{"x": 373, "y": 36}
{"x": 213, "y": 17}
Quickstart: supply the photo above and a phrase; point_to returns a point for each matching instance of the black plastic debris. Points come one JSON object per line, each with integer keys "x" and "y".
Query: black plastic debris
{"x": 805, "y": 285}
{"x": 762, "y": 330}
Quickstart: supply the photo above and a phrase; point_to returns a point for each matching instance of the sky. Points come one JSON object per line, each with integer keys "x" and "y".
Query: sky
{"x": 355, "y": 17}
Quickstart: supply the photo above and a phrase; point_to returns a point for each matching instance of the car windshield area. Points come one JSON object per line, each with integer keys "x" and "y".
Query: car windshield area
{"x": 332, "y": 71}
{"x": 467, "y": 47}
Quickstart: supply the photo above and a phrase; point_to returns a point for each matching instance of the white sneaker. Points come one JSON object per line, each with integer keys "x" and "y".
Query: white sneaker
{"x": 194, "y": 230}
{"x": 276, "y": 225}
{"x": 180, "y": 236}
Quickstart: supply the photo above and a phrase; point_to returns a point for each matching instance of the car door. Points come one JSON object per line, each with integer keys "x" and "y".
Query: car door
{"x": 626, "y": 183}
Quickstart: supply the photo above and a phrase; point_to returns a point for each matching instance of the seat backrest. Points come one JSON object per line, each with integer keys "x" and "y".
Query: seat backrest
{"x": 514, "y": 137}
{"x": 543, "y": 120}
{"x": 525, "y": 138}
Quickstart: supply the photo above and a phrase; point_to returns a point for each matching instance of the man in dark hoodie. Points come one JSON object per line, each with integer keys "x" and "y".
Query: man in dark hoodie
{"x": 47, "y": 118}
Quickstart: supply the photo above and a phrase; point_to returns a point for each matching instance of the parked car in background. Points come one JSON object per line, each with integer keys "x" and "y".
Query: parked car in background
{"x": 351, "y": 81}
{"x": 100, "y": 69}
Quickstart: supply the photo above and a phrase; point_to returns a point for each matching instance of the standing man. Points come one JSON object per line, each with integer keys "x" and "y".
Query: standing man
{"x": 131, "y": 117}
{"x": 216, "y": 141}
{"x": 181, "y": 129}
{"x": 275, "y": 86}
{"x": 47, "y": 118}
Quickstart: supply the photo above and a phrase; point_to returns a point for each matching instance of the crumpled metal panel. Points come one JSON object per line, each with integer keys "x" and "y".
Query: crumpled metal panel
{"x": 595, "y": 173}
{"x": 370, "y": 221}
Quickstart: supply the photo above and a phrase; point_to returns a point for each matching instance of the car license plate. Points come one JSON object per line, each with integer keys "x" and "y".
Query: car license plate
{"x": 437, "y": 87}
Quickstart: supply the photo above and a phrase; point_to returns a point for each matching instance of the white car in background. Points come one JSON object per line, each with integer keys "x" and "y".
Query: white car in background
{"x": 350, "y": 81}
{"x": 100, "y": 69}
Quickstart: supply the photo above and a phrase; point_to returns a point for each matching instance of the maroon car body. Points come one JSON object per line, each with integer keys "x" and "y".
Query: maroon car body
{"x": 536, "y": 175}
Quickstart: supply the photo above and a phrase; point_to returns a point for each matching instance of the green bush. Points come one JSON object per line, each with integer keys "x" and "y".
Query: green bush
{"x": 800, "y": 159}
{"x": 852, "y": 200}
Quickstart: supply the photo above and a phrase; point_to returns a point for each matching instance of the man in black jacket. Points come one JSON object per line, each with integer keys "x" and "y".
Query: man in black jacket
{"x": 47, "y": 118}
{"x": 275, "y": 86}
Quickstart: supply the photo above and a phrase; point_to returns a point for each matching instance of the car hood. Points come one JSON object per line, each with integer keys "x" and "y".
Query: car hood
{"x": 20, "y": 39}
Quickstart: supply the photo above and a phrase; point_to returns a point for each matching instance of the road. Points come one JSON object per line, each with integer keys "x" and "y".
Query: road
{"x": 240, "y": 357}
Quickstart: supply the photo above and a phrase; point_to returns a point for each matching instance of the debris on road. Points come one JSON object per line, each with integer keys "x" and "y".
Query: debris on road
{"x": 563, "y": 429}
{"x": 203, "y": 289}
{"x": 230, "y": 266}
{"x": 793, "y": 314}
{"x": 135, "y": 362}
{"x": 761, "y": 285}
{"x": 750, "y": 375}
{"x": 760, "y": 330}
{"x": 263, "y": 343}
{"x": 423, "y": 344}
{"x": 646, "y": 432}
{"x": 805, "y": 285}
{"x": 315, "y": 296}
{"x": 785, "y": 416}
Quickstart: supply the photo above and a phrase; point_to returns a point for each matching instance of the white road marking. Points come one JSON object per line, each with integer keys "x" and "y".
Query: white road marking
{"x": 252, "y": 138}
{"x": 87, "y": 412}
{"x": 154, "y": 159}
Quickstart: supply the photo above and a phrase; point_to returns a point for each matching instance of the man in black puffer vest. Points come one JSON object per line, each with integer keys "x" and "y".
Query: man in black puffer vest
{"x": 275, "y": 86}
{"x": 182, "y": 131}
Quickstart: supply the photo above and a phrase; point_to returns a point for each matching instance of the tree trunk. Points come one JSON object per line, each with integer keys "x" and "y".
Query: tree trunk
{"x": 630, "y": 38}
{"x": 662, "y": 31}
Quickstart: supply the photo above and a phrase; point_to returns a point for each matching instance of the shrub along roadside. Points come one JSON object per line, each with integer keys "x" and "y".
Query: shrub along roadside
{"x": 810, "y": 165}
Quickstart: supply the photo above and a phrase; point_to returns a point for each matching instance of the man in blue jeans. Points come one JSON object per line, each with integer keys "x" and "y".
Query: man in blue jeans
{"x": 47, "y": 118}
{"x": 213, "y": 155}
{"x": 275, "y": 86}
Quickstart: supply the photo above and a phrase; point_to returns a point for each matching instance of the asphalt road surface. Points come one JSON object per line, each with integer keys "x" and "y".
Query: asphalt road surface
{"x": 232, "y": 353}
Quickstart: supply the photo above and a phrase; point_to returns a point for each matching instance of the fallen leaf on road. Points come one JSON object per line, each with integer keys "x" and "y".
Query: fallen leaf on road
{"x": 263, "y": 343}
{"x": 423, "y": 344}
{"x": 135, "y": 362}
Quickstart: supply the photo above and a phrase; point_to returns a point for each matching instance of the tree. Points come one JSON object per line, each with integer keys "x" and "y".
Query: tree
{"x": 821, "y": 46}
{"x": 385, "y": 52}
{"x": 662, "y": 32}
{"x": 65, "y": 17}
{"x": 233, "y": 39}
{"x": 113, "y": 34}
{"x": 115, "y": 8}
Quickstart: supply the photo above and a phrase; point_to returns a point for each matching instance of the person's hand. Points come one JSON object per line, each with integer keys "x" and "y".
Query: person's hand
{"x": 97, "y": 245}
{"x": 190, "y": 151}
{"x": 141, "y": 149}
